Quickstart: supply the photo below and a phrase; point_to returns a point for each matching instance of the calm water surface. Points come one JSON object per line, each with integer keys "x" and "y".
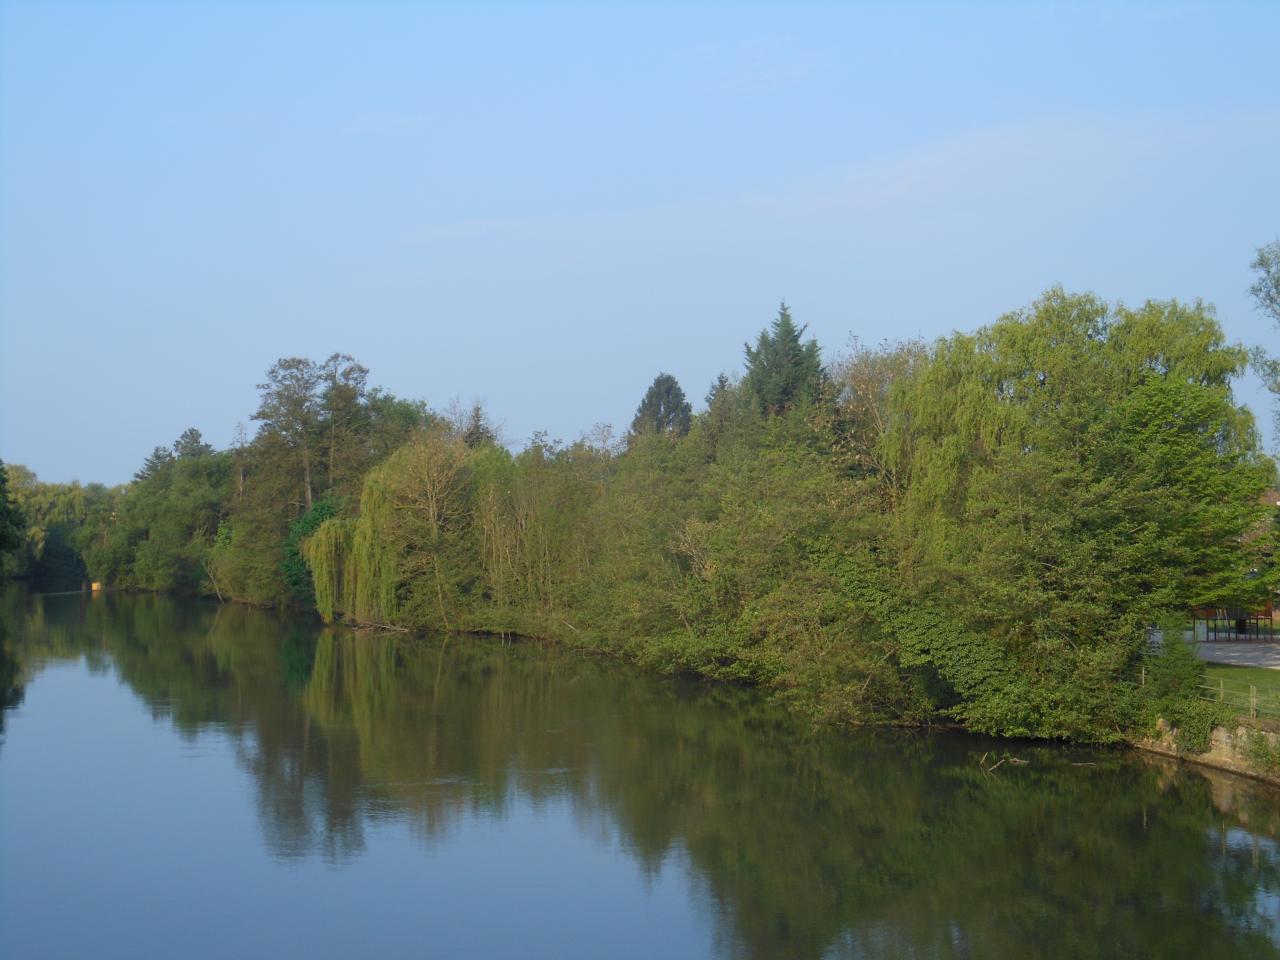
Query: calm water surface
{"x": 187, "y": 780}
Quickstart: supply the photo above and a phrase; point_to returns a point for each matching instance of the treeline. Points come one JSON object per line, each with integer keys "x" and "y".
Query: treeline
{"x": 981, "y": 529}
{"x": 199, "y": 520}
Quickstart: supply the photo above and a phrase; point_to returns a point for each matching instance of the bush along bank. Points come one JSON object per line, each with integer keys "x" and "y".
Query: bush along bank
{"x": 978, "y": 530}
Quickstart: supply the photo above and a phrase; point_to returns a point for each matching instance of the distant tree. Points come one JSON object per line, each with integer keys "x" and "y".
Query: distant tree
{"x": 664, "y": 409}
{"x": 1266, "y": 295}
{"x": 12, "y": 523}
{"x": 296, "y": 575}
{"x": 717, "y": 390}
{"x": 1266, "y": 289}
{"x": 155, "y": 464}
{"x": 344, "y": 386}
{"x": 191, "y": 444}
{"x": 782, "y": 369}
{"x": 290, "y": 408}
{"x": 864, "y": 382}
{"x": 54, "y": 514}
{"x": 392, "y": 420}
{"x": 476, "y": 431}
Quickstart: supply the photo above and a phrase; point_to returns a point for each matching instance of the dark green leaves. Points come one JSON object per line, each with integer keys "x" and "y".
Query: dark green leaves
{"x": 782, "y": 370}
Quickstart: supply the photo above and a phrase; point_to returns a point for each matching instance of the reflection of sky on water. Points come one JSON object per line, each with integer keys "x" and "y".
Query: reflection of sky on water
{"x": 492, "y": 801}
{"x": 1264, "y": 855}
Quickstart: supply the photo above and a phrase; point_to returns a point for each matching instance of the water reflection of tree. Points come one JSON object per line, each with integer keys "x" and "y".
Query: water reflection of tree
{"x": 858, "y": 844}
{"x": 11, "y": 679}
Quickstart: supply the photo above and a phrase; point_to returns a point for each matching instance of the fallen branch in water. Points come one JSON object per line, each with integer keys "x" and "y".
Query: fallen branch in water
{"x": 371, "y": 625}
{"x": 1005, "y": 759}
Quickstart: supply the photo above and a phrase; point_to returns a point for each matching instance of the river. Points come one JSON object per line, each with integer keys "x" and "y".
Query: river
{"x": 186, "y": 779}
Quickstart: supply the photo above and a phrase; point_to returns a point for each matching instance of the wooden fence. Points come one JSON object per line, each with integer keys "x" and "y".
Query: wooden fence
{"x": 1248, "y": 699}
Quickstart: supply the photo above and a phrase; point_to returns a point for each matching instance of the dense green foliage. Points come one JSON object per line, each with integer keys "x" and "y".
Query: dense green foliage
{"x": 1266, "y": 296}
{"x": 664, "y": 409}
{"x": 297, "y": 575}
{"x": 163, "y": 523}
{"x": 782, "y": 370}
{"x": 12, "y": 523}
{"x": 1174, "y": 678}
{"x": 54, "y": 519}
{"x": 982, "y": 529}
{"x": 1266, "y": 288}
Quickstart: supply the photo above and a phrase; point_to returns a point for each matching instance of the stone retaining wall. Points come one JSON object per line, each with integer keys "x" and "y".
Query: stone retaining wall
{"x": 1236, "y": 750}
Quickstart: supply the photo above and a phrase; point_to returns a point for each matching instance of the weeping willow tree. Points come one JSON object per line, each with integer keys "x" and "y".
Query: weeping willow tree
{"x": 352, "y": 562}
{"x": 324, "y": 553}
{"x": 393, "y": 554}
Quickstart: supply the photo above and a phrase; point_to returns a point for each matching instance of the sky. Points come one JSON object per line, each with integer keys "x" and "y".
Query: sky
{"x": 541, "y": 207}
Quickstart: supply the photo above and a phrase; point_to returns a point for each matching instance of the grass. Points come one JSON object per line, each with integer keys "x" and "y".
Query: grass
{"x": 1234, "y": 682}
{"x": 1233, "y": 675}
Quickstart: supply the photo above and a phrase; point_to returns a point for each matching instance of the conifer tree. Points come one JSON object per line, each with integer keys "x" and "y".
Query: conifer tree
{"x": 782, "y": 370}
{"x": 154, "y": 465}
{"x": 664, "y": 409}
{"x": 191, "y": 444}
{"x": 476, "y": 431}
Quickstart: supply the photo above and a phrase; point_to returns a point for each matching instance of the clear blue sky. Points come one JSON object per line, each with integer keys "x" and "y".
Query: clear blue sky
{"x": 542, "y": 207}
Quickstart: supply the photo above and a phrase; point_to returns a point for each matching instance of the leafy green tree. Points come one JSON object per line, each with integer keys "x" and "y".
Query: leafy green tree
{"x": 344, "y": 389}
{"x": 12, "y": 525}
{"x": 864, "y": 382}
{"x": 1064, "y": 477}
{"x": 157, "y": 462}
{"x": 664, "y": 409}
{"x": 296, "y": 575}
{"x": 157, "y": 534}
{"x": 1266, "y": 289}
{"x": 475, "y": 430}
{"x": 782, "y": 369}
{"x": 319, "y": 421}
{"x": 1266, "y": 295}
{"x": 981, "y": 529}
{"x": 54, "y": 514}
{"x": 11, "y": 519}
{"x": 290, "y": 408}
{"x": 191, "y": 444}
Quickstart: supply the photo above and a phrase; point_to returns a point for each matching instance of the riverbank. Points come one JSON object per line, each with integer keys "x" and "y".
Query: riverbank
{"x": 1241, "y": 750}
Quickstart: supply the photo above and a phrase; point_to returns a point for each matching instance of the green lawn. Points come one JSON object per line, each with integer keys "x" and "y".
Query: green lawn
{"x": 1259, "y": 676}
{"x": 1236, "y": 682}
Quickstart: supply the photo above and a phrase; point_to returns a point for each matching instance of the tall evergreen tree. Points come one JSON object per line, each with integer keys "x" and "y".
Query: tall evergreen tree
{"x": 155, "y": 464}
{"x": 476, "y": 431}
{"x": 717, "y": 390}
{"x": 781, "y": 368}
{"x": 191, "y": 444}
{"x": 664, "y": 409}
